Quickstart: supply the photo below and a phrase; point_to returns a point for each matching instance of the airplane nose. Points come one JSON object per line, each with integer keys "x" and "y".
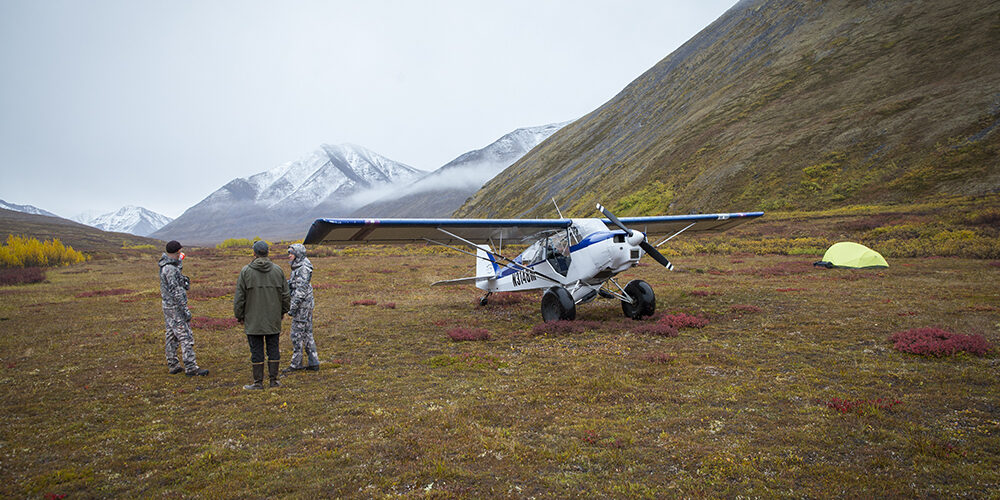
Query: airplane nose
{"x": 636, "y": 238}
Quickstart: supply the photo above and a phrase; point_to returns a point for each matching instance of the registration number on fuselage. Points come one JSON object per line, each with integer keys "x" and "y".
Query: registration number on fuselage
{"x": 521, "y": 277}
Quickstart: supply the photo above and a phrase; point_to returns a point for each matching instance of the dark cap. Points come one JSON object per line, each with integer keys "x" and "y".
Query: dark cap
{"x": 173, "y": 246}
{"x": 260, "y": 247}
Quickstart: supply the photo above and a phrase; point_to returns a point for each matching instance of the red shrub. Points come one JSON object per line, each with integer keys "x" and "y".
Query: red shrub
{"x": 742, "y": 308}
{"x": 364, "y": 302}
{"x": 21, "y": 275}
{"x": 389, "y": 305}
{"x": 995, "y": 263}
{"x": 861, "y": 406}
{"x": 460, "y": 334}
{"x": 214, "y": 324}
{"x": 937, "y": 342}
{"x": 104, "y": 293}
{"x": 683, "y": 320}
{"x": 661, "y": 329}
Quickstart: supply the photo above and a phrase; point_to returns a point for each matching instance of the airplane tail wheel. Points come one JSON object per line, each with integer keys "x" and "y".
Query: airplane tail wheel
{"x": 643, "y": 300}
{"x": 557, "y": 304}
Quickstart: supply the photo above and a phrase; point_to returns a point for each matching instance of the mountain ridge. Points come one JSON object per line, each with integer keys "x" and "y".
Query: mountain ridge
{"x": 130, "y": 219}
{"x": 28, "y": 209}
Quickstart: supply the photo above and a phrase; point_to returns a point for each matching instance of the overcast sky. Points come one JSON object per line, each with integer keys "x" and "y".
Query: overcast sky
{"x": 111, "y": 103}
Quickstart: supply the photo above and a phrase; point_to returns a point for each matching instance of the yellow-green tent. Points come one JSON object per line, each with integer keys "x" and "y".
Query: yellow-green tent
{"x": 848, "y": 254}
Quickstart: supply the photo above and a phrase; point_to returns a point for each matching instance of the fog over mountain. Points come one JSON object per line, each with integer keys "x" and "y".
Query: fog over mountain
{"x": 282, "y": 202}
{"x": 441, "y": 192}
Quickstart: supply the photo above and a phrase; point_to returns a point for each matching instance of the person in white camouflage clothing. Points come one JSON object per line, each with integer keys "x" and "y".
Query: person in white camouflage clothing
{"x": 173, "y": 290}
{"x": 301, "y": 310}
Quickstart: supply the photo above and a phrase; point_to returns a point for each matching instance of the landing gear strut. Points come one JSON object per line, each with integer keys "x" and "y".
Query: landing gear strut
{"x": 485, "y": 299}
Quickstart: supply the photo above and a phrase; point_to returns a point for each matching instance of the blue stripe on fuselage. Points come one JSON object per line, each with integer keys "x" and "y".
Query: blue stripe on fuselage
{"x": 594, "y": 238}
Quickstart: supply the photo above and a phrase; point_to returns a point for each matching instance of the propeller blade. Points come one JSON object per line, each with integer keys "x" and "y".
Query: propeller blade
{"x": 656, "y": 255}
{"x": 607, "y": 213}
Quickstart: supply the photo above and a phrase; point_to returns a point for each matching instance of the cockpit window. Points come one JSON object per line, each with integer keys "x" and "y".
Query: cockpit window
{"x": 558, "y": 252}
{"x": 553, "y": 248}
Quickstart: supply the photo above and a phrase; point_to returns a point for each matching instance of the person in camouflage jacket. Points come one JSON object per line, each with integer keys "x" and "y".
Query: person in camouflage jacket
{"x": 173, "y": 290}
{"x": 301, "y": 310}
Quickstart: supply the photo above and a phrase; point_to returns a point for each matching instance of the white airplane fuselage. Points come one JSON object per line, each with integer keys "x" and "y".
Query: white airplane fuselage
{"x": 580, "y": 259}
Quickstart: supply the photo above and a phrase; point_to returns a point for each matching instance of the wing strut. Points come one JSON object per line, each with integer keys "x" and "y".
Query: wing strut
{"x": 511, "y": 261}
{"x": 675, "y": 234}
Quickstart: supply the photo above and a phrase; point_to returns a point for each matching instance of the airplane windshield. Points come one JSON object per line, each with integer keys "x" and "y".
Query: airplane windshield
{"x": 554, "y": 248}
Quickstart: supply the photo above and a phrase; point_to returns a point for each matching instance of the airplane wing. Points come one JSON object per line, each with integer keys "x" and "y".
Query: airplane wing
{"x": 420, "y": 230}
{"x": 701, "y": 222}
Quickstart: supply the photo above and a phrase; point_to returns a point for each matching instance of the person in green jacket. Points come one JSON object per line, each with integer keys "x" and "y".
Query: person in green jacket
{"x": 261, "y": 300}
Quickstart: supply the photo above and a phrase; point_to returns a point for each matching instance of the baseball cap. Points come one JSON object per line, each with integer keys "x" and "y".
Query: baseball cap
{"x": 260, "y": 247}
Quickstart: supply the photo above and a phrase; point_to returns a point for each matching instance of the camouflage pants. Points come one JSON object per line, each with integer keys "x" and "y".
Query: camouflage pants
{"x": 179, "y": 335}
{"x": 302, "y": 337}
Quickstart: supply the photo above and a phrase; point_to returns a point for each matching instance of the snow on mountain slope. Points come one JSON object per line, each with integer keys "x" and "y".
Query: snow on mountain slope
{"x": 311, "y": 180}
{"x": 28, "y": 209}
{"x": 130, "y": 219}
{"x": 444, "y": 190}
{"x": 330, "y": 181}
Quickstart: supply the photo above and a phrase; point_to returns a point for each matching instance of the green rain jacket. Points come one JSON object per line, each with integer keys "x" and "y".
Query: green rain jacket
{"x": 262, "y": 297}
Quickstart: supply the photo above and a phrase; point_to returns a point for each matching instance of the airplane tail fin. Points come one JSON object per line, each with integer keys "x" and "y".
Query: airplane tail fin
{"x": 486, "y": 264}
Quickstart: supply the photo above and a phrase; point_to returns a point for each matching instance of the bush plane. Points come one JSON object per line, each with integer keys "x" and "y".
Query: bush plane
{"x": 575, "y": 260}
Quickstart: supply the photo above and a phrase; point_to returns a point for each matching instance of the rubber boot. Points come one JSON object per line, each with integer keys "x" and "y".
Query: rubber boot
{"x": 313, "y": 362}
{"x": 272, "y": 372}
{"x": 258, "y": 376}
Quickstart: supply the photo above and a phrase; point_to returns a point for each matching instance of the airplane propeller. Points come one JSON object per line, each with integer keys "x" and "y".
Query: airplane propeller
{"x": 646, "y": 247}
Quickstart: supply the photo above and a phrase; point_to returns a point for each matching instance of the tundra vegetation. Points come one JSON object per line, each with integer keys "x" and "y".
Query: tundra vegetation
{"x": 780, "y": 380}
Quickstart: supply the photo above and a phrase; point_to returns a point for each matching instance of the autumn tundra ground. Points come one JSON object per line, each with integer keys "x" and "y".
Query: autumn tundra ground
{"x": 759, "y": 376}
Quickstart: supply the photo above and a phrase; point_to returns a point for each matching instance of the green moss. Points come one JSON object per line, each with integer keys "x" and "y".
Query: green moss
{"x": 653, "y": 199}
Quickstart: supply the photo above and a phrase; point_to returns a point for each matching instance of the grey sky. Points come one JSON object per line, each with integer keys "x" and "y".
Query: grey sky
{"x": 109, "y": 103}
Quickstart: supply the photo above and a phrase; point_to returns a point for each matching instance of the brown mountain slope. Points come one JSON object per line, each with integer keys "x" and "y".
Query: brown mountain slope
{"x": 785, "y": 104}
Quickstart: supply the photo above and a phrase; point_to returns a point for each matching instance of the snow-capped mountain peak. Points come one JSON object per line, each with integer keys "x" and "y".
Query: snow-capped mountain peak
{"x": 311, "y": 180}
{"x": 129, "y": 219}
{"x": 441, "y": 192}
